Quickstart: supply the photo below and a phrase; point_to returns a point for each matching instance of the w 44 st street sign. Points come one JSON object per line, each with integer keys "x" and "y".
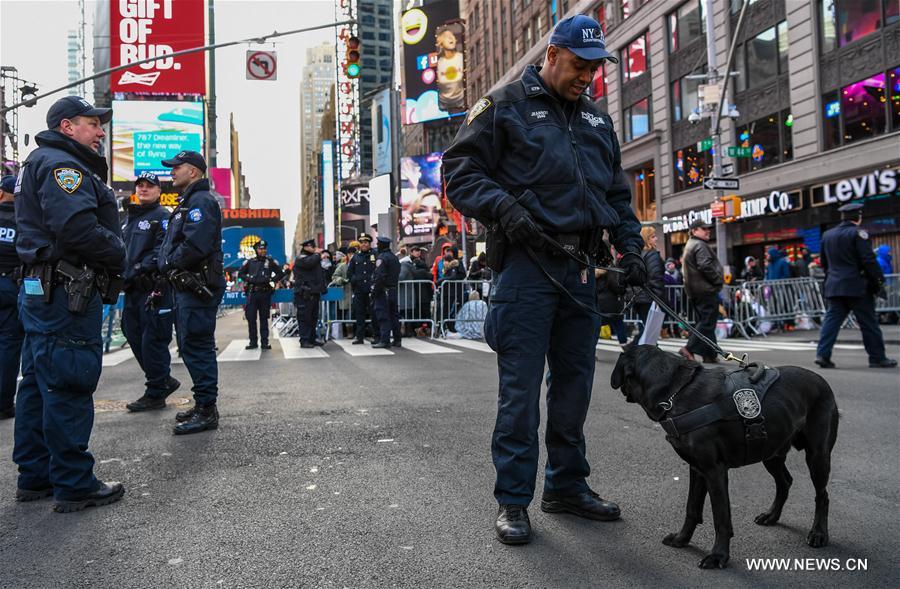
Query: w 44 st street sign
{"x": 722, "y": 184}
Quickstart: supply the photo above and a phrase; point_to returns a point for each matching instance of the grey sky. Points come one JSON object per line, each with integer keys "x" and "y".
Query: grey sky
{"x": 267, "y": 114}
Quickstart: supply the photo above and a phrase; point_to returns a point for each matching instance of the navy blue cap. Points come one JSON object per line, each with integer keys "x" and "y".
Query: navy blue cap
{"x": 260, "y": 243}
{"x": 582, "y": 36}
{"x": 851, "y": 207}
{"x": 8, "y": 184}
{"x": 148, "y": 177}
{"x": 308, "y": 243}
{"x": 69, "y": 107}
{"x": 364, "y": 237}
{"x": 186, "y": 157}
{"x": 382, "y": 240}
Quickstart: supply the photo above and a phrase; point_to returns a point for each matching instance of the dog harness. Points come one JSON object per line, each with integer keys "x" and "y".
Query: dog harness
{"x": 741, "y": 398}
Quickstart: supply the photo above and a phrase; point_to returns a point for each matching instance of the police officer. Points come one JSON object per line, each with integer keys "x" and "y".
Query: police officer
{"x": 149, "y": 307}
{"x": 852, "y": 278}
{"x": 537, "y": 159}
{"x": 360, "y": 271}
{"x": 70, "y": 243}
{"x": 191, "y": 256}
{"x": 384, "y": 295}
{"x": 309, "y": 284}
{"x": 11, "y": 333}
{"x": 259, "y": 274}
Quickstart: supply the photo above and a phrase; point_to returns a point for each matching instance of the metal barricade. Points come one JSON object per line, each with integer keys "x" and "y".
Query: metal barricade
{"x": 452, "y": 296}
{"x": 414, "y": 303}
{"x": 891, "y": 303}
{"x": 112, "y": 318}
{"x": 753, "y": 303}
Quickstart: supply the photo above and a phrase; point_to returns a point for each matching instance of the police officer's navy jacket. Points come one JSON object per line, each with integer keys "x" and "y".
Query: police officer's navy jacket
{"x": 260, "y": 271}
{"x": 64, "y": 210}
{"x": 360, "y": 271}
{"x": 144, "y": 230}
{"x": 561, "y": 160}
{"x": 193, "y": 239}
{"x": 9, "y": 259}
{"x": 387, "y": 271}
{"x": 309, "y": 276}
{"x": 851, "y": 269}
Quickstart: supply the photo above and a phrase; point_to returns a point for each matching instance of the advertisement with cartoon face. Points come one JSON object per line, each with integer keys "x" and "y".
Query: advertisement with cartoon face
{"x": 420, "y": 196}
{"x": 433, "y": 62}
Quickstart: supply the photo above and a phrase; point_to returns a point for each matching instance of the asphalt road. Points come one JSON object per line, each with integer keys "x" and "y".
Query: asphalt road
{"x": 375, "y": 471}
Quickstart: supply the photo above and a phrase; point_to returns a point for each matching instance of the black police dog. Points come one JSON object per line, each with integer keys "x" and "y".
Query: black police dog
{"x": 799, "y": 410}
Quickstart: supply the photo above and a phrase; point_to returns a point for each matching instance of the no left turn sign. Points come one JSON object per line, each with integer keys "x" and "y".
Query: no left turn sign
{"x": 262, "y": 65}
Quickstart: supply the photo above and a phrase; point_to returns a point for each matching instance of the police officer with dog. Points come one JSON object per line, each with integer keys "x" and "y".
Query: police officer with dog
{"x": 70, "y": 243}
{"x": 852, "y": 279}
{"x": 11, "y": 333}
{"x": 384, "y": 295}
{"x": 191, "y": 258}
{"x": 259, "y": 275}
{"x": 360, "y": 271}
{"x": 309, "y": 284}
{"x": 149, "y": 306}
{"x": 539, "y": 163}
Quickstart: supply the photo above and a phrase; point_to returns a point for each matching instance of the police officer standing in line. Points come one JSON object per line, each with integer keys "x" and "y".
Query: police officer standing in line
{"x": 537, "y": 159}
{"x": 191, "y": 257}
{"x": 360, "y": 271}
{"x": 149, "y": 307}
{"x": 384, "y": 295}
{"x": 309, "y": 284}
{"x": 259, "y": 274}
{"x": 11, "y": 333}
{"x": 70, "y": 243}
{"x": 852, "y": 279}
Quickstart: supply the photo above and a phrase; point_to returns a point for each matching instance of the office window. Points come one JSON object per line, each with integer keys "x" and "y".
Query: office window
{"x": 686, "y": 24}
{"x": 691, "y": 167}
{"x": 894, "y": 85}
{"x": 891, "y": 12}
{"x": 554, "y": 11}
{"x": 637, "y": 120}
{"x": 845, "y": 21}
{"x": 831, "y": 111}
{"x": 598, "y": 85}
{"x": 635, "y": 57}
{"x": 763, "y": 57}
{"x": 644, "y": 192}
{"x": 863, "y": 109}
{"x": 782, "y": 32}
{"x": 685, "y": 96}
{"x": 769, "y": 139}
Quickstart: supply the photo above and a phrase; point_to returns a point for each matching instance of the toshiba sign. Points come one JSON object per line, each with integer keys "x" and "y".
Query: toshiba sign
{"x": 140, "y": 29}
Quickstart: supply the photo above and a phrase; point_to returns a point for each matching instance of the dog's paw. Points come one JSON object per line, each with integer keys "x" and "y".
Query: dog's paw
{"x": 767, "y": 519}
{"x": 714, "y": 561}
{"x": 817, "y": 539}
{"x": 676, "y": 540}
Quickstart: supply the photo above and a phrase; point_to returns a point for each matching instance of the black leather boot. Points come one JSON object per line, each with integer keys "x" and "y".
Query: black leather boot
{"x": 205, "y": 417}
{"x": 146, "y": 403}
{"x": 26, "y": 495}
{"x": 106, "y": 494}
{"x": 183, "y": 416}
{"x": 587, "y": 504}
{"x": 512, "y": 524}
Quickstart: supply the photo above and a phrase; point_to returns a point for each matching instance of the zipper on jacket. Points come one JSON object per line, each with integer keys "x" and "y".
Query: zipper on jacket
{"x": 577, "y": 162}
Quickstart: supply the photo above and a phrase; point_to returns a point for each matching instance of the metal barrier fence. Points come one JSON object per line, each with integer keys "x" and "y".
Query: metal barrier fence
{"x": 756, "y": 302}
{"x": 891, "y": 303}
{"x": 453, "y": 311}
{"x": 415, "y": 302}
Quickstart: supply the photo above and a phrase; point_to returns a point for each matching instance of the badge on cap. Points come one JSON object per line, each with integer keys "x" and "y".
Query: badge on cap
{"x": 69, "y": 179}
{"x": 195, "y": 215}
{"x": 482, "y": 105}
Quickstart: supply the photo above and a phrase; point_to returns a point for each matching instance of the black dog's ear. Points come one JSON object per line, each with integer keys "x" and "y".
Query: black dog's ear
{"x": 618, "y": 373}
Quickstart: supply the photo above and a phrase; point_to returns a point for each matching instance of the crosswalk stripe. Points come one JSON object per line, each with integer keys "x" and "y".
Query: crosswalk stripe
{"x": 468, "y": 344}
{"x": 176, "y": 359}
{"x": 235, "y": 352}
{"x": 290, "y": 347}
{"x": 421, "y": 347}
{"x": 361, "y": 349}
{"x": 117, "y": 357}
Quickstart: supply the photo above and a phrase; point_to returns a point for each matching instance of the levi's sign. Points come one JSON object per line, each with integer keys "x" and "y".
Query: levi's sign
{"x": 875, "y": 183}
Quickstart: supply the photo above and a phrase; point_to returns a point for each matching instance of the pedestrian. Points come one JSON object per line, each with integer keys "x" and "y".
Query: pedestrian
{"x": 703, "y": 279}
{"x": 384, "y": 295}
{"x": 70, "y": 242}
{"x": 360, "y": 270}
{"x": 147, "y": 315}
{"x": 655, "y": 279}
{"x": 260, "y": 274}
{"x": 815, "y": 268}
{"x": 11, "y": 333}
{"x": 852, "y": 280}
{"x": 537, "y": 157}
{"x": 423, "y": 291}
{"x": 191, "y": 256}
{"x": 751, "y": 271}
{"x": 610, "y": 302}
{"x": 309, "y": 284}
{"x": 777, "y": 268}
{"x": 328, "y": 266}
{"x": 885, "y": 260}
{"x": 801, "y": 264}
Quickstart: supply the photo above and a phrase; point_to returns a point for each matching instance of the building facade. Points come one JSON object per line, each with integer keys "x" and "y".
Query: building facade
{"x": 316, "y": 84}
{"x": 376, "y": 34}
{"x": 816, "y": 86}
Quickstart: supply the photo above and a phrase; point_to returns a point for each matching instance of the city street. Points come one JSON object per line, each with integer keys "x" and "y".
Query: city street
{"x": 342, "y": 470}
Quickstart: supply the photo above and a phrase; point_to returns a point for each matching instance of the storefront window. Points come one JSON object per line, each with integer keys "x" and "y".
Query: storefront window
{"x": 644, "y": 192}
{"x": 770, "y": 141}
{"x": 637, "y": 119}
{"x": 863, "y": 109}
{"x": 845, "y": 21}
{"x": 686, "y": 24}
{"x": 685, "y": 96}
{"x": 831, "y": 115}
{"x": 787, "y": 135}
{"x": 894, "y": 83}
{"x": 691, "y": 167}
{"x": 636, "y": 57}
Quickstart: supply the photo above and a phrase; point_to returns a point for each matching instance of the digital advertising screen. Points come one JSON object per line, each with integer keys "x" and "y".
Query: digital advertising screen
{"x": 145, "y": 132}
{"x": 243, "y": 228}
{"x": 420, "y": 196}
{"x": 433, "y": 62}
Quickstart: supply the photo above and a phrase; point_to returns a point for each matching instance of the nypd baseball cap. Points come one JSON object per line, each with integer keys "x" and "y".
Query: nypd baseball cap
{"x": 69, "y": 107}
{"x": 186, "y": 157}
{"x": 582, "y": 36}
{"x": 147, "y": 177}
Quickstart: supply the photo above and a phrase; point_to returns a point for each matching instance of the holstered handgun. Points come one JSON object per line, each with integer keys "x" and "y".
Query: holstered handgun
{"x": 495, "y": 247}
{"x": 110, "y": 285}
{"x": 185, "y": 281}
{"x": 80, "y": 285}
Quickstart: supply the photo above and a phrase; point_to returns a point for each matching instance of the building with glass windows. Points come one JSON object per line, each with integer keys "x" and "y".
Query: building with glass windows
{"x": 817, "y": 87}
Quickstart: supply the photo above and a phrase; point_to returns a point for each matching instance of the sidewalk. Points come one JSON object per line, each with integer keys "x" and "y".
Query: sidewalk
{"x": 891, "y": 335}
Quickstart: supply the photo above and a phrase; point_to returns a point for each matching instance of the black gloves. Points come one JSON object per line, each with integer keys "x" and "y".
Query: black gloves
{"x": 635, "y": 269}
{"x": 518, "y": 223}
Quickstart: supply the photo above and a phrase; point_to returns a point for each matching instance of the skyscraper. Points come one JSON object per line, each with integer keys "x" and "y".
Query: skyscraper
{"x": 376, "y": 33}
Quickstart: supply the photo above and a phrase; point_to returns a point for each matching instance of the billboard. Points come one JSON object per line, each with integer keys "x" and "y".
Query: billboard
{"x": 355, "y": 212}
{"x": 421, "y": 192}
{"x": 220, "y": 178}
{"x": 243, "y": 228}
{"x": 328, "y": 191}
{"x": 433, "y": 62}
{"x": 145, "y": 132}
{"x": 381, "y": 133}
{"x": 140, "y": 29}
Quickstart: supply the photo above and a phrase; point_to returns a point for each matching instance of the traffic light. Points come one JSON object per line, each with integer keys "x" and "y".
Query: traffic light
{"x": 352, "y": 66}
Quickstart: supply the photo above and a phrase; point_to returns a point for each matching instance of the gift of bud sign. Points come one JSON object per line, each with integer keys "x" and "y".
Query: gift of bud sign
{"x": 135, "y": 29}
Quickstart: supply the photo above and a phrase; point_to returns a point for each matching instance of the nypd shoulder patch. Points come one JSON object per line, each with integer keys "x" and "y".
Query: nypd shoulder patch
{"x": 195, "y": 215}
{"x": 863, "y": 234}
{"x": 479, "y": 107}
{"x": 165, "y": 224}
{"x": 69, "y": 179}
{"x": 144, "y": 225}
